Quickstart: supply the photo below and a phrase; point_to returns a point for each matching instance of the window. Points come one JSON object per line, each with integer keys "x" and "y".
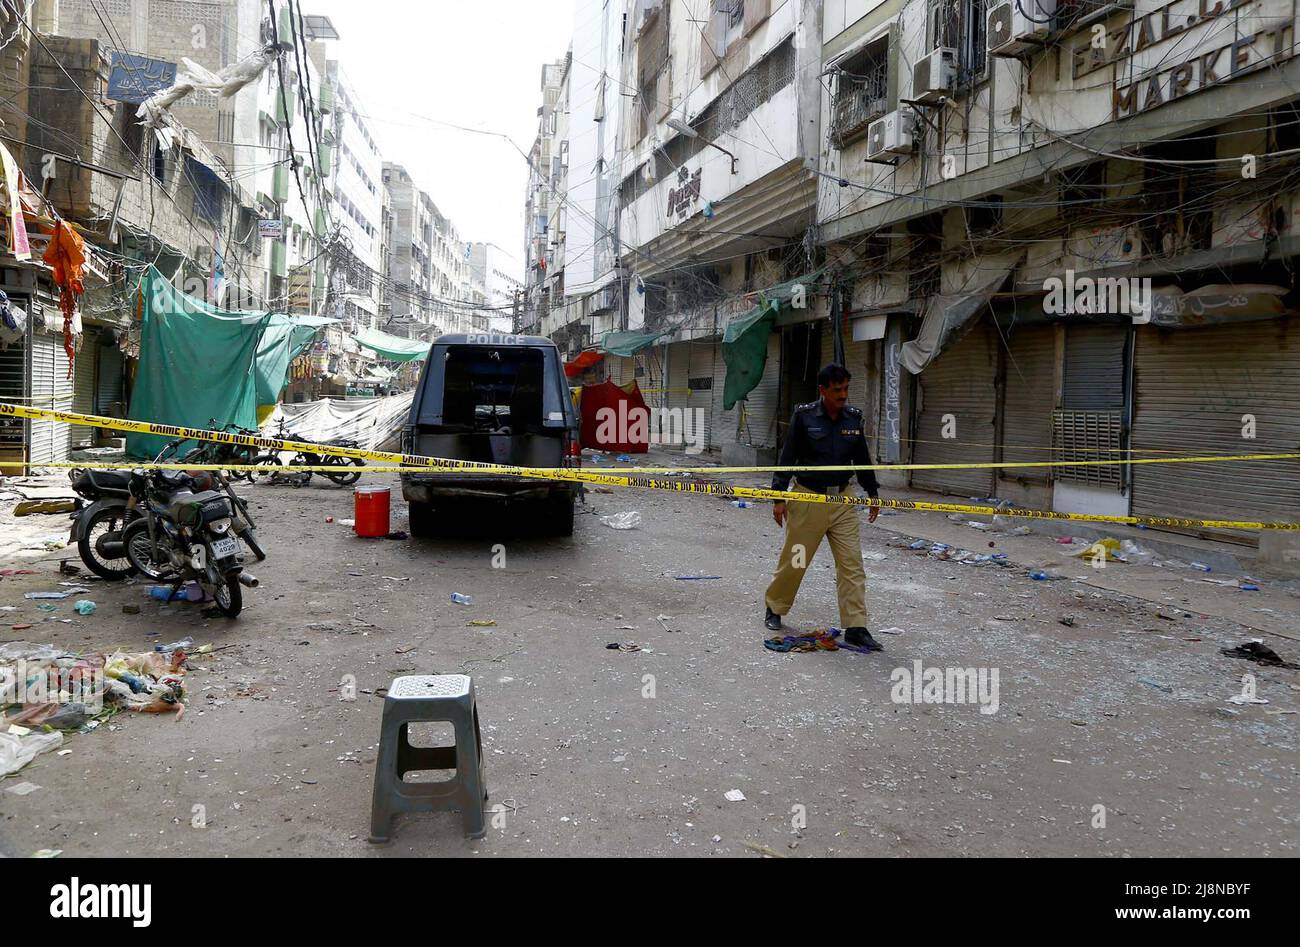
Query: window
{"x": 960, "y": 25}
{"x": 654, "y": 78}
{"x": 159, "y": 163}
{"x": 861, "y": 92}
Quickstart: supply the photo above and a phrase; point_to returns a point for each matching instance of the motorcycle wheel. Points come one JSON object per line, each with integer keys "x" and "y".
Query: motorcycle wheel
{"x": 139, "y": 550}
{"x": 229, "y": 596}
{"x": 269, "y": 461}
{"x": 98, "y": 527}
{"x": 344, "y": 479}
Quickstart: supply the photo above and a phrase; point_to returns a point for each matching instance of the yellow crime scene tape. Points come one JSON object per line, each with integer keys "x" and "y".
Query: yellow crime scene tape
{"x": 631, "y": 477}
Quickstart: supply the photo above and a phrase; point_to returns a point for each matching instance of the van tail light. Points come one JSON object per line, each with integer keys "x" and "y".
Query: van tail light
{"x": 574, "y": 453}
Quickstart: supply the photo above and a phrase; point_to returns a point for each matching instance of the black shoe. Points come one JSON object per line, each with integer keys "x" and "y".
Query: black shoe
{"x": 772, "y": 621}
{"x": 862, "y": 639}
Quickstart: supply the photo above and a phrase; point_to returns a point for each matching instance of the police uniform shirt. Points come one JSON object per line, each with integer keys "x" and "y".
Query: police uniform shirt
{"x": 816, "y": 440}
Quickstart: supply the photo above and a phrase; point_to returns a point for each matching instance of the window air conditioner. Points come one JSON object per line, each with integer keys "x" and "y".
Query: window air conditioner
{"x": 890, "y": 135}
{"x": 1017, "y": 25}
{"x": 934, "y": 75}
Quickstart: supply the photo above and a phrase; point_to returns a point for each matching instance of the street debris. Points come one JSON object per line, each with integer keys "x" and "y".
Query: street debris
{"x": 1247, "y": 699}
{"x": 1156, "y": 684}
{"x": 628, "y": 520}
{"x": 458, "y": 598}
{"x": 734, "y": 795}
{"x": 1259, "y": 653}
{"x": 28, "y": 507}
{"x": 79, "y": 590}
{"x": 891, "y": 631}
{"x": 85, "y": 607}
{"x": 480, "y": 623}
{"x": 696, "y": 578}
{"x": 23, "y": 788}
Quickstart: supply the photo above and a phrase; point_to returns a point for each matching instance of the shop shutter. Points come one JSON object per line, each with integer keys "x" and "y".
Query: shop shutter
{"x": 83, "y": 388}
{"x": 1027, "y": 404}
{"x": 1090, "y": 423}
{"x": 109, "y": 393}
{"x": 700, "y": 380}
{"x": 723, "y": 426}
{"x": 1194, "y": 389}
{"x": 50, "y": 388}
{"x": 13, "y": 388}
{"x": 759, "y": 426}
{"x": 961, "y": 382}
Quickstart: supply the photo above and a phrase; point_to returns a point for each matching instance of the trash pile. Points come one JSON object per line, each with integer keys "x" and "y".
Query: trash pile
{"x": 823, "y": 639}
{"x": 46, "y": 691}
{"x": 945, "y": 553}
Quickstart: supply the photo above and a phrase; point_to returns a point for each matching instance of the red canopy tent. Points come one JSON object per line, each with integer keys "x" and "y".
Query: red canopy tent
{"x": 615, "y": 418}
{"x": 583, "y": 362}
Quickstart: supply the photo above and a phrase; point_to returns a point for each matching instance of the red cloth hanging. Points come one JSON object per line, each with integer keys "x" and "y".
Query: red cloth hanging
{"x": 66, "y": 255}
{"x": 583, "y": 362}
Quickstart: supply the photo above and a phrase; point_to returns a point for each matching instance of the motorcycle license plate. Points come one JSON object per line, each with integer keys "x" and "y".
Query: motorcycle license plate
{"x": 222, "y": 548}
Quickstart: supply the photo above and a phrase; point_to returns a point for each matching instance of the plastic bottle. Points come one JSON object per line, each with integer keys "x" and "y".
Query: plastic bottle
{"x": 460, "y": 599}
{"x": 1201, "y": 566}
{"x": 163, "y": 594}
{"x": 185, "y": 644}
{"x": 1038, "y": 575}
{"x": 741, "y": 504}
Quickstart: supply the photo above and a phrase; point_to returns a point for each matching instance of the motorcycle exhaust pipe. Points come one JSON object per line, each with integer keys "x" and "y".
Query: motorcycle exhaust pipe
{"x": 249, "y": 580}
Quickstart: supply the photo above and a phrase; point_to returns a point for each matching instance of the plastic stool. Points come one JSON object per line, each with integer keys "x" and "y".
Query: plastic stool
{"x": 426, "y": 698}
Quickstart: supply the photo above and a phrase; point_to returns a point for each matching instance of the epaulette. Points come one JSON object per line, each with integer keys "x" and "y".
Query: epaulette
{"x": 805, "y": 407}
{"x": 849, "y": 409}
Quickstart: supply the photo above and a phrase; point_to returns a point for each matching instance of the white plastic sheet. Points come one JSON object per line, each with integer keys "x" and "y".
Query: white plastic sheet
{"x": 374, "y": 423}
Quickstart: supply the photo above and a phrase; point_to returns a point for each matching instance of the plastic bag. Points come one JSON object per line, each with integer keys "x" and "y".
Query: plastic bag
{"x": 629, "y": 520}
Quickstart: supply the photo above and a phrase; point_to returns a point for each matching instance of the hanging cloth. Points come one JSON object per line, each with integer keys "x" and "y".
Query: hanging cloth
{"x": 66, "y": 255}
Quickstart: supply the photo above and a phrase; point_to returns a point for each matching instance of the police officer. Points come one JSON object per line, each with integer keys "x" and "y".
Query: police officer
{"x": 826, "y": 432}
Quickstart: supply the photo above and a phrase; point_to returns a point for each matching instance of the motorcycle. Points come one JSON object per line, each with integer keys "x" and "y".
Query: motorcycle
{"x": 103, "y": 509}
{"x": 344, "y": 477}
{"x": 186, "y": 532}
{"x": 97, "y": 526}
{"x": 213, "y": 452}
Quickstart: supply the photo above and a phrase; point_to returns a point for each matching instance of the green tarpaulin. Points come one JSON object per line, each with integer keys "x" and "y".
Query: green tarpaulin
{"x": 284, "y": 339}
{"x": 744, "y": 343}
{"x": 628, "y": 343}
{"x": 196, "y": 363}
{"x": 392, "y": 347}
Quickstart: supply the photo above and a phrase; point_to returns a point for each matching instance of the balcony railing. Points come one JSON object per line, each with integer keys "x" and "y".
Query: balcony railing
{"x": 860, "y": 99}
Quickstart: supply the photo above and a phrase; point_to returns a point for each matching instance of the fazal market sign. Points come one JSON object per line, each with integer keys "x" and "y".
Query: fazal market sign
{"x": 1255, "y": 42}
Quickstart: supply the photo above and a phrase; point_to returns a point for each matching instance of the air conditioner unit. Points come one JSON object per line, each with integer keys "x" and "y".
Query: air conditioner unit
{"x": 890, "y": 135}
{"x": 934, "y": 75}
{"x": 1017, "y": 25}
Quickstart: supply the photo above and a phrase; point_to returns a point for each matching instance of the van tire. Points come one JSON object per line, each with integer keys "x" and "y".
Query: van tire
{"x": 561, "y": 518}
{"x": 421, "y": 519}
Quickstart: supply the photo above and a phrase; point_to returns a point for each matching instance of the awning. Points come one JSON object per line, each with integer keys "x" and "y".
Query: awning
{"x": 284, "y": 339}
{"x": 744, "y": 343}
{"x": 628, "y": 343}
{"x": 392, "y": 346}
{"x": 583, "y": 362}
{"x": 947, "y": 319}
{"x": 1216, "y": 304}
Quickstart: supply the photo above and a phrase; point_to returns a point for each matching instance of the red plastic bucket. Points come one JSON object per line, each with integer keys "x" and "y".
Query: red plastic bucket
{"x": 370, "y": 511}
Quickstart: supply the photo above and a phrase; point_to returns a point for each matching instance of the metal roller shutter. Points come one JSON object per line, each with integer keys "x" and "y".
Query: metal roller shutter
{"x": 962, "y": 382}
{"x": 678, "y": 393}
{"x": 13, "y": 388}
{"x": 701, "y": 398}
{"x": 724, "y": 424}
{"x": 109, "y": 394}
{"x": 1194, "y": 388}
{"x": 50, "y": 388}
{"x": 83, "y": 388}
{"x": 1027, "y": 404}
{"x": 759, "y": 427}
{"x": 857, "y": 359}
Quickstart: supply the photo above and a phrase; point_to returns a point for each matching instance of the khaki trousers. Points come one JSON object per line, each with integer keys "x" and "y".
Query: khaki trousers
{"x": 805, "y": 525}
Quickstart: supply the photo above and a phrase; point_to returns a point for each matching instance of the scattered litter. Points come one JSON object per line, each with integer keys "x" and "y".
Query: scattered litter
{"x": 329, "y": 519}
{"x": 459, "y": 599}
{"x": 480, "y": 623}
{"x": 1065, "y": 540}
{"x": 9, "y": 572}
{"x": 734, "y": 795}
{"x": 22, "y": 789}
{"x": 1260, "y": 653}
{"x": 874, "y": 556}
{"x": 78, "y": 590}
{"x": 28, "y": 507}
{"x": 47, "y": 853}
{"x": 1279, "y": 712}
{"x": 627, "y": 647}
{"x": 1020, "y": 531}
{"x": 130, "y": 609}
{"x": 19, "y": 627}
{"x": 1066, "y": 762}
{"x": 397, "y": 534}
{"x": 85, "y": 607}
{"x": 1156, "y": 684}
{"x": 891, "y": 631}
{"x": 741, "y": 504}
{"x": 975, "y": 524}
{"x": 765, "y": 850}
{"x": 347, "y": 522}
{"x": 185, "y": 644}
{"x": 628, "y": 520}
{"x": 396, "y": 578}
{"x": 1247, "y": 699}
{"x": 1201, "y": 566}
{"x": 68, "y": 568}
{"x": 696, "y": 578}
{"x": 623, "y": 459}
{"x": 663, "y": 622}
{"x": 1067, "y": 621}
{"x": 1038, "y": 575}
